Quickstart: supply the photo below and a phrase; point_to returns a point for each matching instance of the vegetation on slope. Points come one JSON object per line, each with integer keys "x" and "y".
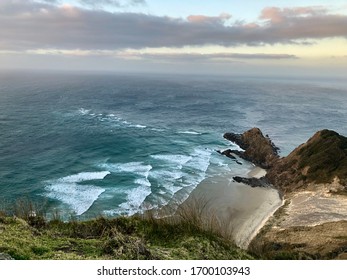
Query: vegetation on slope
{"x": 119, "y": 238}
{"x": 320, "y": 160}
{"x": 258, "y": 149}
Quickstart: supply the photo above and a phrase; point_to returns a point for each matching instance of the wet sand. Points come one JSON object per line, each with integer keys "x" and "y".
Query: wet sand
{"x": 240, "y": 210}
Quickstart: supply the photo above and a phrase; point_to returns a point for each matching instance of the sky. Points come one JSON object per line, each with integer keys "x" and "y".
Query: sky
{"x": 274, "y": 37}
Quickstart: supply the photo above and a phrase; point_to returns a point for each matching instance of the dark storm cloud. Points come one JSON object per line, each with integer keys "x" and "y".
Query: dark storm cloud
{"x": 31, "y": 25}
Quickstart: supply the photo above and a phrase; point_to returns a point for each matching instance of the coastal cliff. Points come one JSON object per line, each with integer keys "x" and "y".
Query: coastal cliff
{"x": 321, "y": 160}
{"x": 312, "y": 223}
{"x": 257, "y": 148}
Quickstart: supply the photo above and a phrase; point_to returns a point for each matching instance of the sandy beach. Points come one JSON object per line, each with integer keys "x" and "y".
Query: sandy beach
{"x": 257, "y": 172}
{"x": 240, "y": 210}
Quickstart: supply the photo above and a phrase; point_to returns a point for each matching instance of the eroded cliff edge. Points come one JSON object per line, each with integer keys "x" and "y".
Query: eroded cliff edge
{"x": 321, "y": 160}
{"x": 312, "y": 224}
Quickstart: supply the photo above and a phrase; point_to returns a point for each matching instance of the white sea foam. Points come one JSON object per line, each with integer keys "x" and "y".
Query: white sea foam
{"x": 164, "y": 174}
{"x": 83, "y": 111}
{"x": 135, "y": 198}
{"x": 138, "y": 168}
{"x": 84, "y": 176}
{"x": 79, "y": 197}
{"x": 110, "y": 119}
{"x": 158, "y": 129}
{"x": 137, "y": 126}
{"x": 143, "y": 182}
{"x": 173, "y": 189}
{"x": 235, "y": 146}
{"x": 176, "y": 159}
{"x": 170, "y": 174}
{"x": 190, "y": 132}
{"x": 200, "y": 159}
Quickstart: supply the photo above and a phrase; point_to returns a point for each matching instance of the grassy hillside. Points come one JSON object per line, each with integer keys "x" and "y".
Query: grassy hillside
{"x": 320, "y": 160}
{"x": 119, "y": 238}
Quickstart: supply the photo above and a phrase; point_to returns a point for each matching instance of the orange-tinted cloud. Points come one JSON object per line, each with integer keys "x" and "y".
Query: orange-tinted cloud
{"x": 277, "y": 15}
{"x": 210, "y": 20}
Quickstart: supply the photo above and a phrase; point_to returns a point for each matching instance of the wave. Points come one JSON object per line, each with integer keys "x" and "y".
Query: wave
{"x": 137, "y": 191}
{"x": 78, "y": 197}
{"x": 83, "y": 111}
{"x": 172, "y": 158}
{"x": 190, "y": 132}
{"x": 134, "y": 203}
{"x": 112, "y": 119}
{"x": 84, "y": 176}
{"x": 181, "y": 171}
{"x": 159, "y": 181}
{"x": 138, "y": 168}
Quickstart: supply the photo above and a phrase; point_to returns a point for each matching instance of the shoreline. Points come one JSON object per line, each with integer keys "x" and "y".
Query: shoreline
{"x": 257, "y": 172}
{"x": 239, "y": 210}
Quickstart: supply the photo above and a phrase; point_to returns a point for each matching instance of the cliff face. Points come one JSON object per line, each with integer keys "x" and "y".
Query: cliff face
{"x": 258, "y": 149}
{"x": 322, "y": 159}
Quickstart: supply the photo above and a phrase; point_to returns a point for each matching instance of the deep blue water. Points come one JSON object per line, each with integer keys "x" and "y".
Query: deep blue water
{"x": 115, "y": 144}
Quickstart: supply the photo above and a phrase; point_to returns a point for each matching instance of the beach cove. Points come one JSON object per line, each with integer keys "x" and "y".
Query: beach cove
{"x": 238, "y": 209}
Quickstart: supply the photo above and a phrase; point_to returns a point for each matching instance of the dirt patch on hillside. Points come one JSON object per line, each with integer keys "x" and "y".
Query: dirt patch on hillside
{"x": 311, "y": 225}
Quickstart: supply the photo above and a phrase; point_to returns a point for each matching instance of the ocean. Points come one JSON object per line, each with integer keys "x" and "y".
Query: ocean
{"x": 115, "y": 144}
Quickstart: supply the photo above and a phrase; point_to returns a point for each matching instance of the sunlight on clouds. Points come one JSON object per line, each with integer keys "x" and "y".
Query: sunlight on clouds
{"x": 69, "y": 10}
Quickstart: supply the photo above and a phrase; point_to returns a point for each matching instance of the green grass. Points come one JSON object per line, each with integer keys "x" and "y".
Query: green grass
{"x": 184, "y": 236}
{"x": 327, "y": 158}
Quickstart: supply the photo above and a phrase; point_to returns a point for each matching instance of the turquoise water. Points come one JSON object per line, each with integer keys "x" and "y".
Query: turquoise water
{"x": 117, "y": 144}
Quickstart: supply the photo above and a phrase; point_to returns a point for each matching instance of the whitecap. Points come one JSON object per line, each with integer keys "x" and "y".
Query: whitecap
{"x": 83, "y": 111}
{"x": 78, "y": 197}
{"x": 135, "y": 199}
{"x": 143, "y": 182}
{"x": 138, "y": 126}
{"x": 190, "y": 132}
{"x": 167, "y": 175}
{"x": 173, "y": 158}
{"x": 234, "y": 146}
{"x": 138, "y": 168}
{"x": 84, "y": 176}
{"x": 200, "y": 159}
{"x": 158, "y": 129}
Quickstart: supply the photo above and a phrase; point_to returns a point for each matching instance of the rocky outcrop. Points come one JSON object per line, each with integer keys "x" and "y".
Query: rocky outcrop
{"x": 253, "y": 182}
{"x": 321, "y": 160}
{"x": 258, "y": 148}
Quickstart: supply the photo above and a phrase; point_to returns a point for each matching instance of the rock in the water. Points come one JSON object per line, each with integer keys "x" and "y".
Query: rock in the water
{"x": 253, "y": 182}
{"x": 258, "y": 149}
{"x": 228, "y": 153}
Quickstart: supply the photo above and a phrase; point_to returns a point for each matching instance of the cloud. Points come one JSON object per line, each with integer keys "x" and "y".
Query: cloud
{"x": 201, "y": 19}
{"x": 114, "y": 3}
{"x": 220, "y": 57}
{"x": 100, "y": 3}
{"x": 277, "y": 15}
{"x": 159, "y": 56}
{"x": 26, "y": 25}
